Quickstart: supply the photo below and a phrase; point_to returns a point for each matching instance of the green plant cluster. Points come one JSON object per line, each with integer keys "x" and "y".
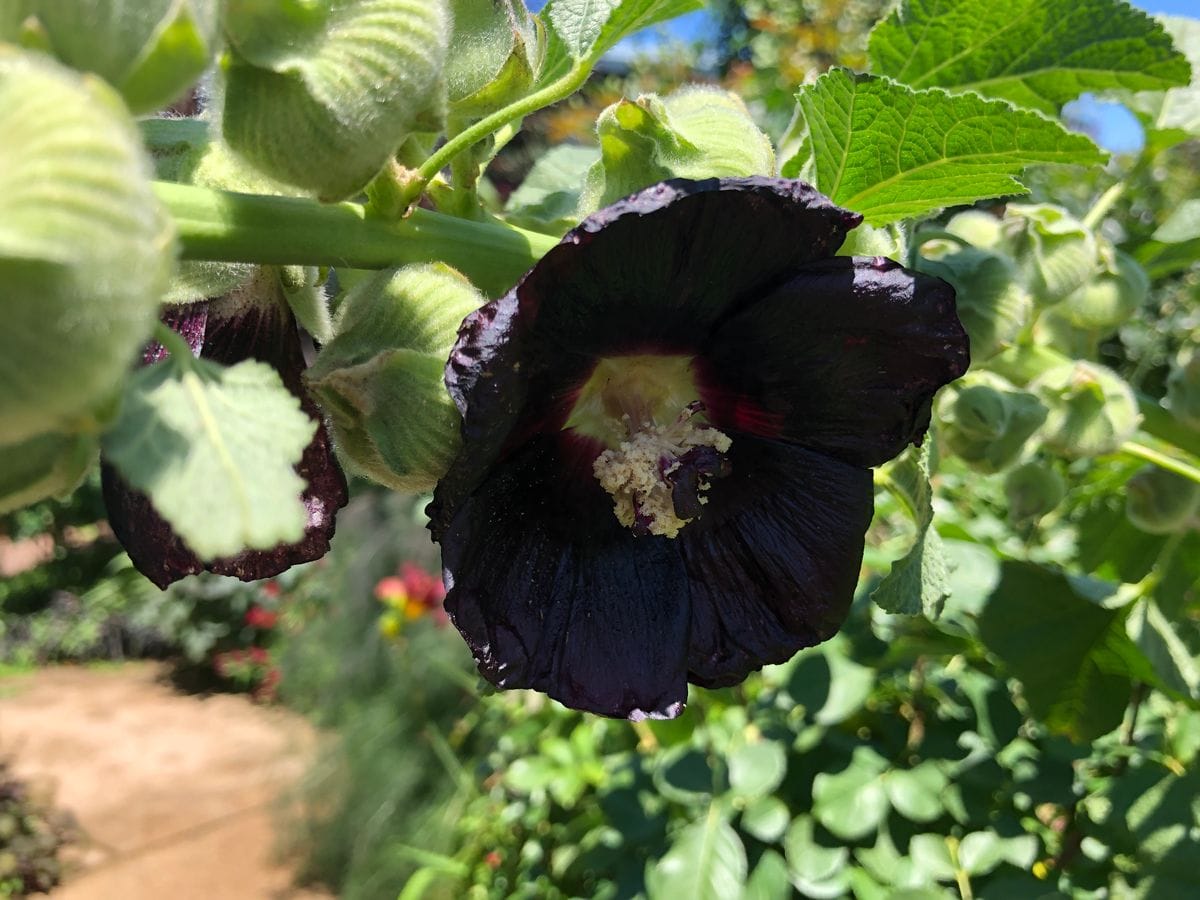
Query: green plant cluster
{"x": 31, "y": 836}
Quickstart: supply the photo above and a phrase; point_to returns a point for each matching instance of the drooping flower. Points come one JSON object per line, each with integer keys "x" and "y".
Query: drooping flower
{"x": 252, "y": 325}
{"x": 667, "y": 433}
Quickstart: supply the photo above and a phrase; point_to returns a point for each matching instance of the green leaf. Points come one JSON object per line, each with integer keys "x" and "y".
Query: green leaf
{"x": 769, "y": 880}
{"x": 214, "y": 449}
{"x": 852, "y": 803}
{"x": 755, "y": 770}
{"x": 918, "y": 584}
{"x": 706, "y": 862}
{"x": 1037, "y": 53}
{"x": 890, "y": 152}
{"x": 548, "y": 199}
{"x": 86, "y": 250}
{"x": 322, "y": 101}
{"x": 582, "y": 29}
{"x": 931, "y": 856}
{"x": 49, "y": 465}
{"x": 917, "y": 793}
{"x": 1052, "y": 638}
{"x": 1173, "y": 116}
{"x": 1156, "y": 637}
{"x": 766, "y": 819}
{"x": 810, "y": 863}
{"x": 981, "y": 851}
{"x": 1182, "y": 225}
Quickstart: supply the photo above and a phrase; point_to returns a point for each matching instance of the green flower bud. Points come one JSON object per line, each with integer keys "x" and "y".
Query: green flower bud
{"x": 1055, "y": 252}
{"x": 1033, "y": 489}
{"x": 1111, "y": 297}
{"x": 151, "y": 51}
{"x": 871, "y": 240}
{"x": 1161, "y": 502}
{"x": 1183, "y": 387}
{"x": 85, "y": 248}
{"x": 320, "y": 95}
{"x": 992, "y": 304}
{"x": 49, "y": 465}
{"x": 985, "y": 421}
{"x": 495, "y": 55}
{"x": 1092, "y": 410}
{"x": 696, "y": 132}
{"x": 381, "y": 378}
{"x": 977, "y": 228}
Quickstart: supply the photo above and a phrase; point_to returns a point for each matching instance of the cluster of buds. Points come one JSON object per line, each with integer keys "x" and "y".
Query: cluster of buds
{"x": 412, "y": 594}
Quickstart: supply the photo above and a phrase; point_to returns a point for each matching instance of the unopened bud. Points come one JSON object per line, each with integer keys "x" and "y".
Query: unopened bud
{"x": 1055, "y": 252}
{"x": 985, "y": 421}
{"x": 1111, "y": 297}
{"x": 1161, "y": 502}
{"x": 1033, "y": 489}
{"x": 1092, "y": 409}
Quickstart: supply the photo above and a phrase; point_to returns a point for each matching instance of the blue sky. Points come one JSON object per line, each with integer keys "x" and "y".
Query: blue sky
{"x": 1114, "y": 126}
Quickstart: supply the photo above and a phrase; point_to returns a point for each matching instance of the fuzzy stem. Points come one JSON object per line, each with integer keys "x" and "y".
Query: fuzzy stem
{"x": 1103, "y": 205}
{"x": 229, "y": 227}
{"x": 1149, "y": 454}
{"x": 559, "y": 89}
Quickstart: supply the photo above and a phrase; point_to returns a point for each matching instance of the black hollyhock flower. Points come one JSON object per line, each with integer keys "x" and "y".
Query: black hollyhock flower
{"x": 667, "y": 433}
{"x": 228, "y": 330}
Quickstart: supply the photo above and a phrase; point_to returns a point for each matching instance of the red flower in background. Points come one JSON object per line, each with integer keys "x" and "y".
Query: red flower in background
{"x": 410, "y": 595}
{"x": 261, "y": 617}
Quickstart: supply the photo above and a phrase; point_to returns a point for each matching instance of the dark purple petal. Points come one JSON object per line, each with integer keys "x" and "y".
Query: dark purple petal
{"x": 652, "y": 272}
{"x": 229, "y": 331}
{"x": 844, "y": 358}
{"x": 773, "y": 562}
{"x": 551, "y": 593}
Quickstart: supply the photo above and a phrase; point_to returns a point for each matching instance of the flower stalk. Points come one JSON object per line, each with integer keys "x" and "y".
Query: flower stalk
{"x": 230, "y": 227}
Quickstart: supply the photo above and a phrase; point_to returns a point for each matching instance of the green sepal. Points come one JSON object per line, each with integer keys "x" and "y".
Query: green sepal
{"x": 495, "y": 56}
{"x": 986, "y": 421}
{"x": 323, "y": 100}
{"x": 1092, "y": 410}
{"x": 1161, "y": 502}
{"x": 85, "y": 248}
{"x": 381, "y": 377}
{"x": 151, "y": 51}
{"x": 49, "y": 465}
{"x": 1056, "y": 252}
{"x": 978, "y": 228}
{"x": 697, "y": 132}
{"x": 992, "y": 303}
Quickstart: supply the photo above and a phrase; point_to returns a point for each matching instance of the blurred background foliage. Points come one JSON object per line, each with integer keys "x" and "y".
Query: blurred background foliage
{"x": 1039, "y": 739}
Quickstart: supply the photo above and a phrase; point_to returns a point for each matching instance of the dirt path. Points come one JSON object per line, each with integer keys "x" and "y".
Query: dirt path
{"x": 173, "y": 792}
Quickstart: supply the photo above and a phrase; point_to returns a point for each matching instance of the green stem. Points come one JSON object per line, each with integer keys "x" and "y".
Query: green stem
{"x": 1149, "y": 454}
{"x": 558, "y": 89}
{"x": 229, "y": 227}
{"x": 1101, "y": 207}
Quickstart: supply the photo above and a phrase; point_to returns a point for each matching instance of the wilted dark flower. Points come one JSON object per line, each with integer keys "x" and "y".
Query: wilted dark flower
{"x": 228, "y": 330}
{"x": 667, "y": 433}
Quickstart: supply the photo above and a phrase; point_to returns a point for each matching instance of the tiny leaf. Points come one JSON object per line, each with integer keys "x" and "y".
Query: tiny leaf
{"x": 1037, "y": 53}
{"x": 214, "y": 449}
{"x": 755, "y": 770}
{"x": 890, "y": 152}
{"x": 706, "y": 862}
{"x": 851, "y": 803}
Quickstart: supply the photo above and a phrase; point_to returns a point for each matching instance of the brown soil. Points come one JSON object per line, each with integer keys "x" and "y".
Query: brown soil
{"x": 175, "y": 794}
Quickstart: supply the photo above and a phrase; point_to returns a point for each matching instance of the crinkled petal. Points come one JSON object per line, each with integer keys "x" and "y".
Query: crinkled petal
{"x": 844, "y": 358}
{"x": 773, "y": 562}
{"x": 266, "y": 333}
{"x": 551, "y": 593}
{"x": 652, "y": 272}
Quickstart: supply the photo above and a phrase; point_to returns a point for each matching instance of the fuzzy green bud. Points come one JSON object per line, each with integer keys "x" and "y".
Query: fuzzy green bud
{"x": 875, "y": 240}
{"x": 495, "y": 55}
{"x": 992, "y": 304}
{"x": 1111, "y": 297}
{"x": 381, "y": 377}
{"x": 696, "y": 132}
{"x": 151, "y": 51}
{"x": 1032, "y": 489}
{"x": 85, "y": 248}
{"x": 1092, "y": 409}
{"x": 1183, "y": 387}
{"x": 985, "y": 421}
{"x": 1055, "y": 252}
{"x": 1161, "y": 502}
{"x": 977, "y": 228}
